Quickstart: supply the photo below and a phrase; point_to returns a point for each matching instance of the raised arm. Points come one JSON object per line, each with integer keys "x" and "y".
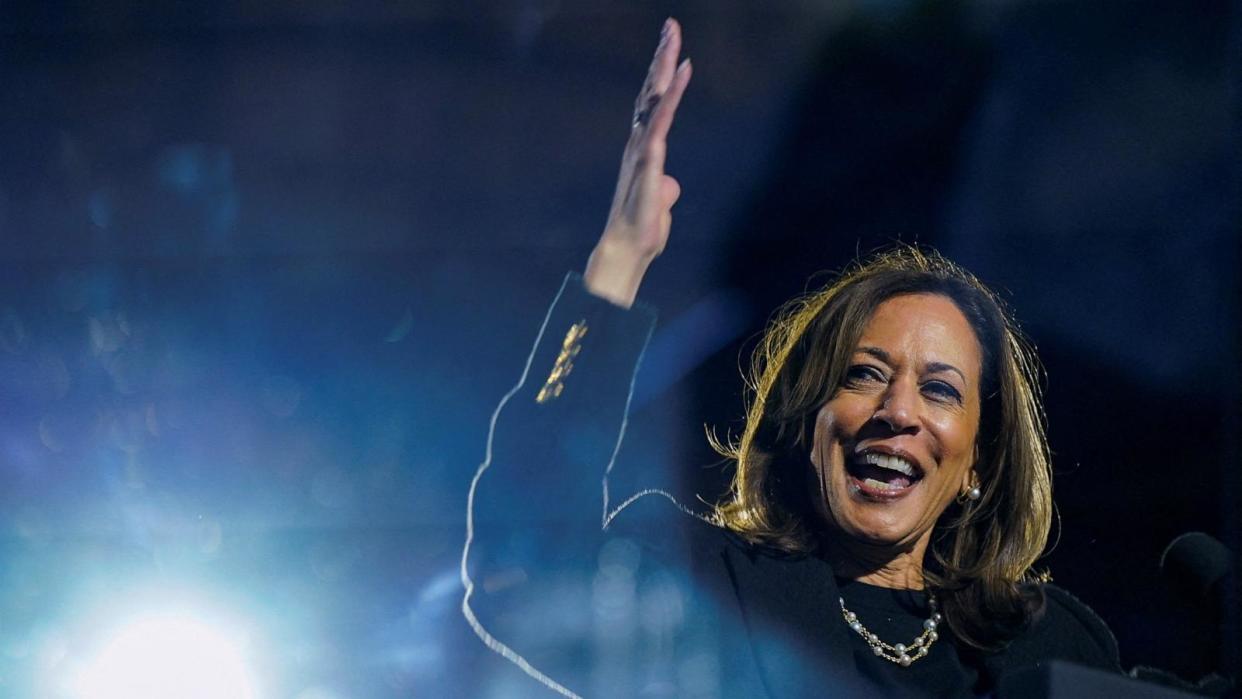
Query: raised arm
{"x": 641, "y": 212}
{"x": 539, "y": 503}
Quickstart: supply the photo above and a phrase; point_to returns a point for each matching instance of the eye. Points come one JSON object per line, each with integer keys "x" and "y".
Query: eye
{"x": 862, "y": 374}
{"x": 943, "y": 391}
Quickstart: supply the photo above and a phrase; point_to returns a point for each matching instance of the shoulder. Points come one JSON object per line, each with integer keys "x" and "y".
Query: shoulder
{"x": 1068, "y": 611}
{"x": 1066, "y": 629}
{"x": 769, "y": 582}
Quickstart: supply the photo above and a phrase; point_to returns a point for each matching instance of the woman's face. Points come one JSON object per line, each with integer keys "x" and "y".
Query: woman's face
{"x": 896, "y": 443}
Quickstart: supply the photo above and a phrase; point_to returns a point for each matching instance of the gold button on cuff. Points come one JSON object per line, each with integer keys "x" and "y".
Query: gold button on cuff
{"x": 570, "y": 347}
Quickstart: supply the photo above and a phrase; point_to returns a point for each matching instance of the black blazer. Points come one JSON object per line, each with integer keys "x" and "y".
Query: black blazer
{"x": 657, "y": 602}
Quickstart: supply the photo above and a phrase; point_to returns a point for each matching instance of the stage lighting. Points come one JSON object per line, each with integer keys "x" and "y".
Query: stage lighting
{"x": 168, "y": 655}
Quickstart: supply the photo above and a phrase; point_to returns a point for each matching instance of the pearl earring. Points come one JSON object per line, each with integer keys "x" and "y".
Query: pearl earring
{"x": 974, "y": 493}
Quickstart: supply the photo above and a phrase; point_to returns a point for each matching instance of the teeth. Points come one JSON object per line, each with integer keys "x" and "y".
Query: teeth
{"x": 892, "y": 463}
{"x": 880, "y": 485}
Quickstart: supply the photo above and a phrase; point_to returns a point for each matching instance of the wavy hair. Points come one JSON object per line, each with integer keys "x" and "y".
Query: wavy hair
{"x": 980, "y": 557}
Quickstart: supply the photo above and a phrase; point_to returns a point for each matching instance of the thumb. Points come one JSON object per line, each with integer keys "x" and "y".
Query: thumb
{"x": 670, "y": 191}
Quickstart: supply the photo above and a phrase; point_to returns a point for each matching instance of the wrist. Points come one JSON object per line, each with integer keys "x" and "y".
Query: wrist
{"x": 615, "y": 273}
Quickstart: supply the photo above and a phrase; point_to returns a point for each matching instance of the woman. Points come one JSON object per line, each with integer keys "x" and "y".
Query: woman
{"x": 892, "y": 488}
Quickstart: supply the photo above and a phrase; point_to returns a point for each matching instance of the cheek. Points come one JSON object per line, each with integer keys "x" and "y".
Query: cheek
{"x": 958, "y": 439}
{"x": 821, "y": 449}
{"x": 823, "y": 438}
{"x": 957, "y": 427}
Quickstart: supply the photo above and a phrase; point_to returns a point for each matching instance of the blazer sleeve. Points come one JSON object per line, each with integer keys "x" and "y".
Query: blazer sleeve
{"x": 537, "y": 504}
{"x": 563, "y": 422}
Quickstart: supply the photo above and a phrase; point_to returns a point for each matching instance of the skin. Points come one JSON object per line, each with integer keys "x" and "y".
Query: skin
{"x": 912, "y": 388}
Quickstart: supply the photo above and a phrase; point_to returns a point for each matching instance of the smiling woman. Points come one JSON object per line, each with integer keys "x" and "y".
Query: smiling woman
{"x": 914, "y": 399}
{"x": 892, "y": 484}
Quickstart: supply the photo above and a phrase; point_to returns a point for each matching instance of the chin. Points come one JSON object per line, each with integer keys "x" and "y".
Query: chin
{"x": 886, "y": 529}
{"x": 885, "y": 537}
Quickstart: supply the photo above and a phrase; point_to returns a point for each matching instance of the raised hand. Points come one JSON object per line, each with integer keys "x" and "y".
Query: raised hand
{"x": 641, "y": 213}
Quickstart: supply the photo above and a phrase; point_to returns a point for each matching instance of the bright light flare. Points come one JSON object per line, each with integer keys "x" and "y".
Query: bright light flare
{"x": 168, "y": 655}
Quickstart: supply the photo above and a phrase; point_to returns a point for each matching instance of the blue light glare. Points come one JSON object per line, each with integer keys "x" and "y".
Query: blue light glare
{"x": 163, "y": 654}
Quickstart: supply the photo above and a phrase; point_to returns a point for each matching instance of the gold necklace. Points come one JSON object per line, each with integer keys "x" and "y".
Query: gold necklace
{"x": 900, "y": 653}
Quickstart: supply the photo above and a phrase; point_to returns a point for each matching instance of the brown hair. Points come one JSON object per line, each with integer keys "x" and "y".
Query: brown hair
{"x": 980, "y": 556}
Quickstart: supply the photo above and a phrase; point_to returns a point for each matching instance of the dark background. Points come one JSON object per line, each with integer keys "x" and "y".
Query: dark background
{"x": 265, "y": 270}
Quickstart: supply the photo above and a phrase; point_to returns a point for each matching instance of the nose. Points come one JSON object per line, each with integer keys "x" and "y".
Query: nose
{"x": 899, "y": 407}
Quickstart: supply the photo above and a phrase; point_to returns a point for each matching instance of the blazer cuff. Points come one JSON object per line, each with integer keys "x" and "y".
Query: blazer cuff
{"x": 586, "y": 339}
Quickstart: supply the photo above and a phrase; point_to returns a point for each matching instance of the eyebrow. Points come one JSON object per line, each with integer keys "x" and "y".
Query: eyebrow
{"x": 933, "y": 367}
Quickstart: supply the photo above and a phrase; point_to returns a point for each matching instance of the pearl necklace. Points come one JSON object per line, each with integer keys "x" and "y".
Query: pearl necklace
{"x": 899, "y": 653}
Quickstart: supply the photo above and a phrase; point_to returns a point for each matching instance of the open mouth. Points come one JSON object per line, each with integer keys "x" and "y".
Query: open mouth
{"x": 882, "y": 476}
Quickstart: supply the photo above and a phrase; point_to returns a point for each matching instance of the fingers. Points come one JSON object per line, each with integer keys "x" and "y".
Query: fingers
{"x": 652, "y": 147}
{"x": 661, "y": 74}
{"x": 665, "y": 61}
{"x": 662, "y": 117}
{"x": 666, "y": 83}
